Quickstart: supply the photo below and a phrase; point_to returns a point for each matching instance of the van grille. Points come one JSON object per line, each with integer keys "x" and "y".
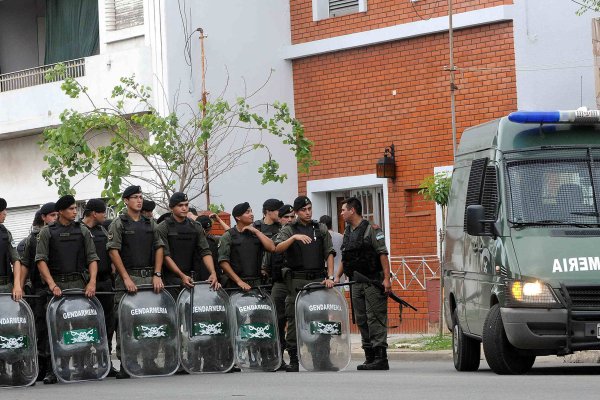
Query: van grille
{"x": 585, "y": 297}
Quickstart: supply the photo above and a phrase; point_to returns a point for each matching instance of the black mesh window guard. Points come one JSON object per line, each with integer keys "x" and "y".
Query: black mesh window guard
{"x": 553, "y": 186}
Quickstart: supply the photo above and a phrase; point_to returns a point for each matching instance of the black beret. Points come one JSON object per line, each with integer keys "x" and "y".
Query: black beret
{"x": 96, "y": 205}
{"x": 272, "y": 205}
{"x": 64, "y": 202}
{"x": 300, "y": 202}
{"x": 131, "y": 190}
{"x": 286, "y": 209}
{"x": 240, "y": 209}
{"x": 177, "y": 198}
{"x": 48, "y": 208}
{"x": 148, "y": 205}
{"x": 2, "y": 204}
{"x": 204, "y": 221}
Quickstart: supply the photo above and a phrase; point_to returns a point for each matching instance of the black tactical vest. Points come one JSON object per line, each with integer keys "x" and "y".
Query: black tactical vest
{"x": 100, "y": 237}
{"x": 5, "y": 269}
{"x": 358, "y": 253}
{"x": 268, "y": 230}
{"x": 182, "y": 239}
{"x": 213, "y": 245}
{"x": 67, "y": 249}
{"x": 246, "y": 254}
{"x": 307, "y": 257}
{"x": 137, "y": 246}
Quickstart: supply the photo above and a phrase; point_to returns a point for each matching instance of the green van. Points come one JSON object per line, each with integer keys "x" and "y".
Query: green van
{"x": 522, "y": 245}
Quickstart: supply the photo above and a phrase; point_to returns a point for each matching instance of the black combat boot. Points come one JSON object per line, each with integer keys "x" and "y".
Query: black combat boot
{"x": 380, "y": 363}
{"x": 50, "y": 378}
{"x": 294, "y": 365}
{"x": 283, "y": 365}
{"x": 369, "y": 358}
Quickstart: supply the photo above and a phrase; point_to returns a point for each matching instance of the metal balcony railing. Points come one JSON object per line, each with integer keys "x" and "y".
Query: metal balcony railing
{"x": 36, "y": 76}
{"x": 412, "y": 272}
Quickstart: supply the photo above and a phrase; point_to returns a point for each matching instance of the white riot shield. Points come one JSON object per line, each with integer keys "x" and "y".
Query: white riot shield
{"x": 206, "y": 342}
{"x": 77, "y": 333}
{"x": 148, "y": 331}
{"x": 256, "y": 338}
{"x": 18, "y": 350}
{"x": 322, "y": 329}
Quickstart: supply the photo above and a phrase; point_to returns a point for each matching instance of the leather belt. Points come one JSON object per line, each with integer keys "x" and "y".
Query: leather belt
{"x": 142, "y": 272}
{"x": 307, "y": 274}
{"x": 72, "y": 277}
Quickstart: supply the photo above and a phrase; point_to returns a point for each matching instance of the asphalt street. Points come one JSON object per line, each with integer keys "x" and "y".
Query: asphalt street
{"x": 551, "y": 379}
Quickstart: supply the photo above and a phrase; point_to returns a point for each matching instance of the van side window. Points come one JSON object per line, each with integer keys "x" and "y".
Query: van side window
{"x": 475, "y": 186}
{"x": 489, "y": 196}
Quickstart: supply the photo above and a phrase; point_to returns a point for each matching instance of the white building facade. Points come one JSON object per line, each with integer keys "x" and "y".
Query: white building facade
{"x": 147, "y": 39}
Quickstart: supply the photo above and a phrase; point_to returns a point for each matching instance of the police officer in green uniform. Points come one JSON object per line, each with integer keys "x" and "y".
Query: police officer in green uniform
{"x": 364, "y": 251}
{"x": 94, "y": 216}
{"x": 11, "y": 281}
{"x": 241, "y": 250}
{"x": 136, "y": 251}
{"x": 309, "y": 253}
{"x": 186, "y": 249}
{"x": 45, "y": 215}
{"x": 275, "y": 262}
{"x": 65, "y": 251}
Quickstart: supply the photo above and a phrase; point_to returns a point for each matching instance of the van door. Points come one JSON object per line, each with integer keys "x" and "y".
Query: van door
{"x": 473, "y": 248}
{"x": 453, "y": 244}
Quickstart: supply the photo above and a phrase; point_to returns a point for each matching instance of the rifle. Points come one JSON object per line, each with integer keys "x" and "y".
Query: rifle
{"x": 360, "y": 278}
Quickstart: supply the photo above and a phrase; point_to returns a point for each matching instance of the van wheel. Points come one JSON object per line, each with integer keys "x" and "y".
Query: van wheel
{"x": 502, "y": 357}
{"x": 466, "y": 351}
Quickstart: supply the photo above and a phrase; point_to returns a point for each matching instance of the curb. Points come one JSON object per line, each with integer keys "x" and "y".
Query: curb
{"x": 439, "y": 355}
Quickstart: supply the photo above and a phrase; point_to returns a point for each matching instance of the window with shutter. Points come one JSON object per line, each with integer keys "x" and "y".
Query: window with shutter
{"x": 342, "y": 7}
{"x": 122, "y": 14}
{"x": 19, "y": 221}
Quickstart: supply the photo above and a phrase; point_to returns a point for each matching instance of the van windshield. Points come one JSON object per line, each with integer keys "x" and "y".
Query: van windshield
{"x": 558, "y": 186}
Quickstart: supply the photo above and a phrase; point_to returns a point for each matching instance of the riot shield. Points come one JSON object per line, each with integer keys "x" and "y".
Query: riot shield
{"x": 322, "y": 328}
{"x": 148, "y": 331}
{"x": 18, "y": 350}
{"x": 78, "y": 344}
{"x": 257, "y": 345}
{"x": 206, "y": 342}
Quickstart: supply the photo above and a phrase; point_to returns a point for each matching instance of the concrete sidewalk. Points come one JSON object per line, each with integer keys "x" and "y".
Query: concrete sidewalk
{"x": 400, "y": 354}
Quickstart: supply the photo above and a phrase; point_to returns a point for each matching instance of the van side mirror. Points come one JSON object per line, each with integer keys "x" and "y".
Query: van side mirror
{"x": 475, "y": 220}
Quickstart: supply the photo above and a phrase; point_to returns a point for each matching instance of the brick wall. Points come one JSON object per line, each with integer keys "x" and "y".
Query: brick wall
{"x": 380, "y": 14}
{"x": 345, "y": 102}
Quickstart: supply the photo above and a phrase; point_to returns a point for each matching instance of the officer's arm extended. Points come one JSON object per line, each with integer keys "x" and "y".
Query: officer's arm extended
{"x": 286, "y": 238}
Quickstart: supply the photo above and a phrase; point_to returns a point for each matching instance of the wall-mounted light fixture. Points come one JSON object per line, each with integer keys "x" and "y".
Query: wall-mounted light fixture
{"x": 386, "y": 166}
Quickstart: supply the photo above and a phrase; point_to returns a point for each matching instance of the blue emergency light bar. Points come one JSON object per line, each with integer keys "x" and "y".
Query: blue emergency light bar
{"x": 581, "y": 116}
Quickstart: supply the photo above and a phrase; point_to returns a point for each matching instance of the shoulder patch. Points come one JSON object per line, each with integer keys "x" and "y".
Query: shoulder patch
{"x": 109, "y": 236}
{"x": 379, "y": 236}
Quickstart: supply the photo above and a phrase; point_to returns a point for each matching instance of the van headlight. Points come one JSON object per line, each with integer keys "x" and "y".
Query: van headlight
{"x": 531, "y": 294}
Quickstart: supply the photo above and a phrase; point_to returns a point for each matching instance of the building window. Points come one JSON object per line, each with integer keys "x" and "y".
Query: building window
{"x": 323, "y": 9}
{"x": 122, "y": 14}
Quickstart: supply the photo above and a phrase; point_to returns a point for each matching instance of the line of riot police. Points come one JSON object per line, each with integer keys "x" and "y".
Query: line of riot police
{"x": 191, "y": 323}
